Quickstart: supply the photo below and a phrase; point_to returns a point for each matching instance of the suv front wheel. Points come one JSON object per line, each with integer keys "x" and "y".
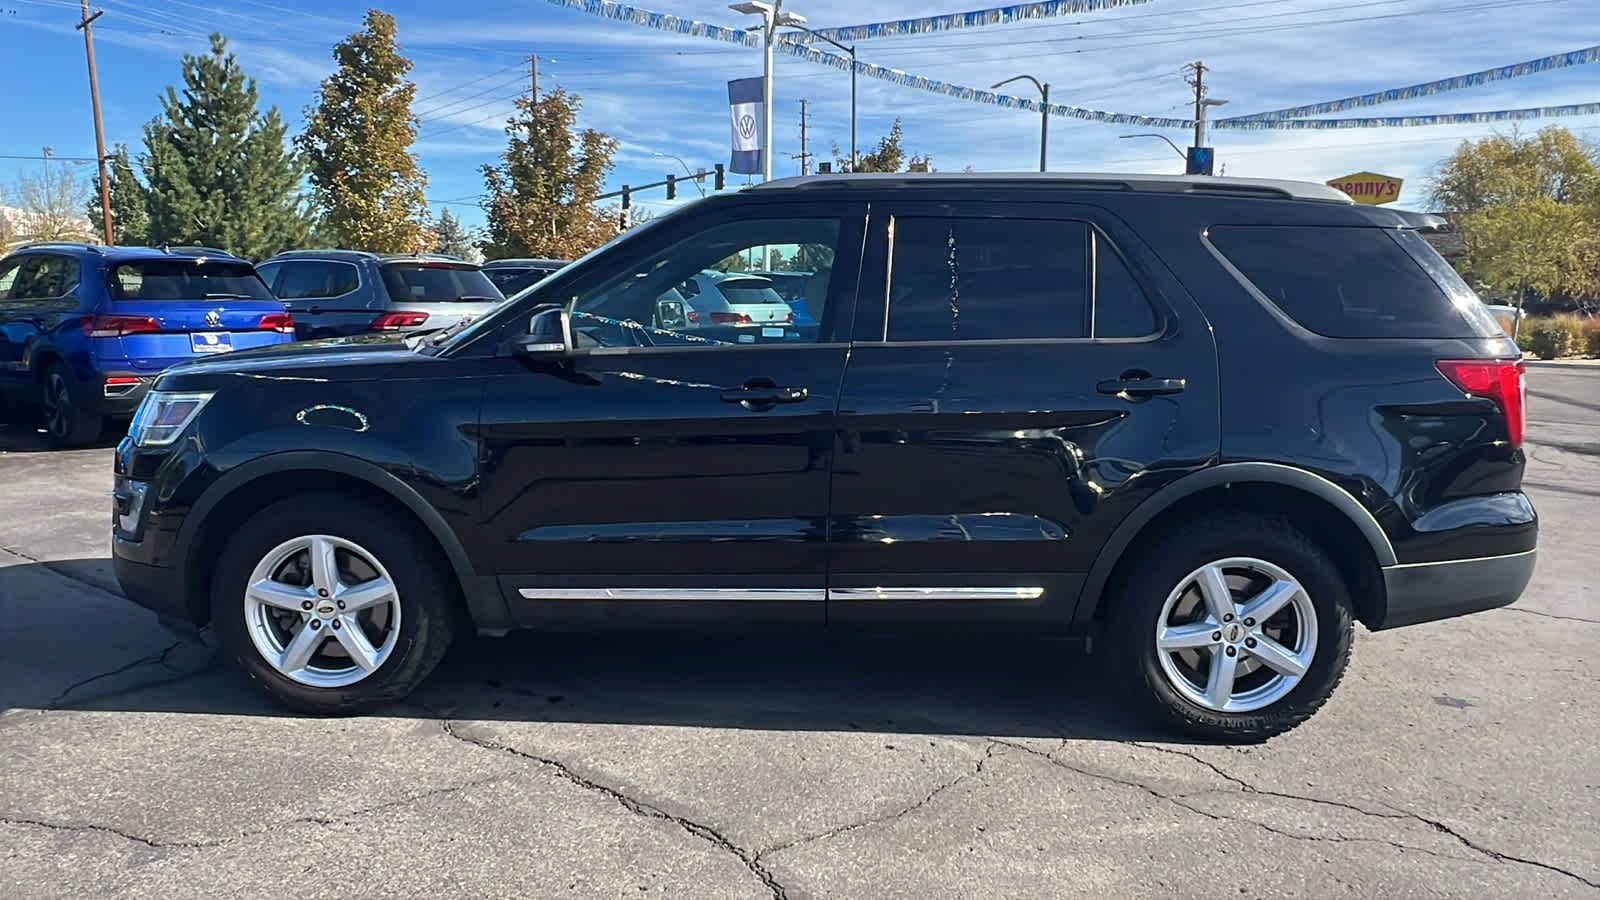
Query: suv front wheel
{"x": 329, "y": 606}
{"x": 1232, "y": 628}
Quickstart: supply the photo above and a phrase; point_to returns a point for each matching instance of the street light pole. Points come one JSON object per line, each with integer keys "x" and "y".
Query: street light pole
{"x": 686, "y": 170}
{"x": 1044, "y": 114}
{"x": 772, "y": 17}
{"x": 1150, "y": 134}
{"x": 854, "y": 159}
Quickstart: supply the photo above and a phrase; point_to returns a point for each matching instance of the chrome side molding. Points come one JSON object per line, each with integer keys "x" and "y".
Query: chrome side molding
{"x": 786, "y": 594}
{"x": 935, "y": 593}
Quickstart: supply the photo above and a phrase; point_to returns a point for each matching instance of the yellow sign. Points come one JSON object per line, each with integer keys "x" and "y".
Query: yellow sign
{"x": 1369, "y": 187}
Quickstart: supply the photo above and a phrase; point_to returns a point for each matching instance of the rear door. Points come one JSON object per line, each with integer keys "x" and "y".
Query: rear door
{"x": 1023, "y": 375}
{"x": 324, "y": 295}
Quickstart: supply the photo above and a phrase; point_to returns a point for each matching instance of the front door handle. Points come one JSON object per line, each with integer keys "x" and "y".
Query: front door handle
{"x": 764, "y": 395}
{"x": 1142, "y": 387}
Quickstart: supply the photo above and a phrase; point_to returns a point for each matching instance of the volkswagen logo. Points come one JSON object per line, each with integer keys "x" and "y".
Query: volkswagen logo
{"x": 214, "y": 318}
{"x": 747, "y": 126}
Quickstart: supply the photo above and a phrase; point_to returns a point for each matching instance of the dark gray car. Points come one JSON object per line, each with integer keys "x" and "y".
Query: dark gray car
{"x": 333, "y": 293}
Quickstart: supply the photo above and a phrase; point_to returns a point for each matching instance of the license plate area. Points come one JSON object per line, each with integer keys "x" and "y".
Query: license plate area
{"x": 210, "y": 341}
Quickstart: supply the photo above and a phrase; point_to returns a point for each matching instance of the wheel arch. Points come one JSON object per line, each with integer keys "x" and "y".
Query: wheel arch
{"x": 1361, "y": 548}
{"x": 241, "y": 490}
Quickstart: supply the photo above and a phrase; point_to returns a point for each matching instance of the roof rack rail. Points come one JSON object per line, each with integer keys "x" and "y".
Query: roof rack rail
{"x": 76, "y": 245}
{"x": 1101, "y": 181}
{"x": 193, "y": 248}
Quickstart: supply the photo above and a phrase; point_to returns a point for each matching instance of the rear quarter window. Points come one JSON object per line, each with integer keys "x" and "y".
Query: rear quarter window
{"x": 1354, "y": 282}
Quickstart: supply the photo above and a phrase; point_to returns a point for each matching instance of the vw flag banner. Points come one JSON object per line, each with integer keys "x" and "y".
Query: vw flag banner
{"x": 744, "y": 109}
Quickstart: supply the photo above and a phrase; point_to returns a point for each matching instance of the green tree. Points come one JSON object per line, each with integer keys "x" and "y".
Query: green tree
{"x": 452, "y": 237}
{"x": 130, "y": 204}
{"x": 540, "y": 199}
{"x": 888, "y": 157}
{"x": 219, "y": 171}
{"x": 1528, "y": 212}
{"x": 357, "y": 144}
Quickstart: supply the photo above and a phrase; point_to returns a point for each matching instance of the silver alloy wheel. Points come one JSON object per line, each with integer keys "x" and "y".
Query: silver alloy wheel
{"x": 57, "y": 402}
{"x": 1236, "y": 635}
{"x": 322, "y": 611}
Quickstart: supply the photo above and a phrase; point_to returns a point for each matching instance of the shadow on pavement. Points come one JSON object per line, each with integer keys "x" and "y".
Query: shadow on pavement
{"x": 971, "y": 685}
{"x": 20, "y": 433}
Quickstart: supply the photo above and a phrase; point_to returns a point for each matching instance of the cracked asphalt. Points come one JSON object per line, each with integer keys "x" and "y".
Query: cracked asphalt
{"x": 1457, "y": 759}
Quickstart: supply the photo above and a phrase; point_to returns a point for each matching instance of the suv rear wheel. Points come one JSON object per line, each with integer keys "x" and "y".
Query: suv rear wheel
{"x": 329, "y": 607}
{"x": 1232, "y": 628}
{"x": 65, "y": 419}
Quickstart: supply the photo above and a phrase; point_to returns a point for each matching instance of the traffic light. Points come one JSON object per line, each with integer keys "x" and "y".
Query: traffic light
{"x": 624, "y": 196}
{"x": 721, "y": 178}
{"x": 1200, "y": 161}
{"x": 672, "y": 187}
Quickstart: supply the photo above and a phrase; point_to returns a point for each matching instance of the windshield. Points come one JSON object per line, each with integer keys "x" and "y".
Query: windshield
{"x": 429, "y": 282}
{"x": 185, "y": 279}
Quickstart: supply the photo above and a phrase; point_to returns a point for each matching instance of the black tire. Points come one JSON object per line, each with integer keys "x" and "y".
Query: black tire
{"x": 1140, "y": 594}
{"x": 427, "y": 592}
{"x": 66, "y": 420}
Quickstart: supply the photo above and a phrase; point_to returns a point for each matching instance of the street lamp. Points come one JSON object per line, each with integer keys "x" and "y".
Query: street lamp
{"x": 686, "y": 170}
{"x": 852, "y": 51}
{"x": 1200, "y": 107}
{"x": 771, "y": 18}
{"x": 1150, "y": 134}
{"x": 1044, "y": 110}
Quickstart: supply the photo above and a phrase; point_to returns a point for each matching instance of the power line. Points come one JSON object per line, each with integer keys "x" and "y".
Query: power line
{"x": 436, "y": 111}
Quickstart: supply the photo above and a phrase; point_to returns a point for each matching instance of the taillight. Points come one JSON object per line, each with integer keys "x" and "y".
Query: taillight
{"x": 393, "y": 321}
{"x": 1502, "y": 380}
{"x": 693, "y": 317}
{"x": 729, "y": 318}
{"x": 121, "y": 379}
{"x": 116, "y": 326}
{"x": 283, "y": 323}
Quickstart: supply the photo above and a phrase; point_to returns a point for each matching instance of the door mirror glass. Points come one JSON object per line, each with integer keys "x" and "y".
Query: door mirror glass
{"x": 549, "y": 334}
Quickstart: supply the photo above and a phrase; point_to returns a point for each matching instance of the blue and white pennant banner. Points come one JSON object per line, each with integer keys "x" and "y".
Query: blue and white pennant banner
{"x": 1427, "y": 89}
{"x": 1000, "y": 15}
{"x": 622, "y": 12}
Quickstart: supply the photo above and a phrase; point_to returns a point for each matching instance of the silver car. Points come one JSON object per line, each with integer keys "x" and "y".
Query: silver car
{"x": 336, "y": 293}
{"x": 732, "y": 298}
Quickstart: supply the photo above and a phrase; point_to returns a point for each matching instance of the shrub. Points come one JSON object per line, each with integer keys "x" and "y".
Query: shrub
{"x": 1549, "y": 340}
{"x": 1591, "y": 337}
{"x": 1574, "y": 326}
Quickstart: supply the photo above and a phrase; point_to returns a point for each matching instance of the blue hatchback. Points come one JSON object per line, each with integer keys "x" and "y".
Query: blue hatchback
{"x": 85, "y": 329}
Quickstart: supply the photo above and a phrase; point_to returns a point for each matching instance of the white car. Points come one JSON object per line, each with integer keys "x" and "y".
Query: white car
{"x": 730, "y": 298}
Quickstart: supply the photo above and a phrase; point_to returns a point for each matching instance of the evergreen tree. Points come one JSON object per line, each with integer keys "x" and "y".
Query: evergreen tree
{"x": 452, "y": 237}
{"x": 130, "y": 210}
{"x": 357, "y": 145}
{"x": 219, "y": 171}
{"x": 540, "y": 199}
{"x": 889, "y": 157}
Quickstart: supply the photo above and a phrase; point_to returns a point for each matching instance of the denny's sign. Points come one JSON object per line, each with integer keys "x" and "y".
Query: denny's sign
{"x": 1369, "y": 187}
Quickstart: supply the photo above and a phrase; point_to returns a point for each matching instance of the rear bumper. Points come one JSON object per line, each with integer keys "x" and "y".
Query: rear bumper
{"x": 1424, "y": 592}
{"x": 120, "y": 400}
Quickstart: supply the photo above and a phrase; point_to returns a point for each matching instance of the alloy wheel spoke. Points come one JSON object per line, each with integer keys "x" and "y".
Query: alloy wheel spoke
{"x": 278, "y": 594}
{"x": 367, "y": 593}
{"x": 1264, "y": 605}
{"x": 1219, "y": 686}
{"x": 1214, "y": 587}
{"x": 301, "y": 648}
{"x": 1278, "y": 657}
{"x": 354, "y": 640}
{"x": 1184, "y": 637}
{"x": 324, "y": 566}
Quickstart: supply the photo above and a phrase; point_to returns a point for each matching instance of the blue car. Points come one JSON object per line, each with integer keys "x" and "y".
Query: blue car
{"x": 85, "y": 329}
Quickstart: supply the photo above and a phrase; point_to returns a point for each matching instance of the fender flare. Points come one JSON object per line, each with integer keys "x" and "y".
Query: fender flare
{"x": 1226, "y": 473}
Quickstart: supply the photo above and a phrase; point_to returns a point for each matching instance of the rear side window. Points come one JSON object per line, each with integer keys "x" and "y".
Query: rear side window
{"x": 437, "y": 283}
{"x": 45, "y": 277}
{"x": 1353, "y": 282}
{"x": 315, "y": 279}
{"x": 184, "y": 279}
{"x": 988, "y": 279}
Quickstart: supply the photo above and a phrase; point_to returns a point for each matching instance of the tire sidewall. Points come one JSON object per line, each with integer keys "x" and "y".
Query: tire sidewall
{"x": 1145, "y": 593}
{"x": 426, "y": 621}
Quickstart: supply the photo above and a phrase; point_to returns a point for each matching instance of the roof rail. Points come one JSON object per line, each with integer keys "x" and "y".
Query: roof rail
{"x": 1100, "y": 181}
{"x": 325, "y": 252}
{"x": 448, "y": 256}
{"x": 75, "y": 245}
{"x": 194, "y": 248}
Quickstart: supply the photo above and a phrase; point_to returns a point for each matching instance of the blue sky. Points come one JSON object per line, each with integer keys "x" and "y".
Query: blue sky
{"x": 661, "y": 93}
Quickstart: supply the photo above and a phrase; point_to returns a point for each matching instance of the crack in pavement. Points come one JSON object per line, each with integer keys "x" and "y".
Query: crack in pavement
{"x": 322, "y": 821}
{"x": 637, "y": 807}
{"x": 159, "y": 658}
{"x": 1435, "y": 824}
{"x": 1534, "y": 612}
{"x": 977, "y": 770}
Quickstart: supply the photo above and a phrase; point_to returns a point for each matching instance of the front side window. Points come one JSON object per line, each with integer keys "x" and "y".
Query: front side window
{"x": 184, "y": 279}
{"x": 315, "y": 279}
{"x": 955, "y": 279}
{"x": 715, "y": 287}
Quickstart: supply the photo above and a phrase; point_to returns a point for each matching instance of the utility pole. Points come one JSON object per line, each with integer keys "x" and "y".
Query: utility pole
{"x": 533, "y": 63}
{"x": 1198, "y": 83}
{"x": 805, "y": 158}
{"x": 99, "y": 131}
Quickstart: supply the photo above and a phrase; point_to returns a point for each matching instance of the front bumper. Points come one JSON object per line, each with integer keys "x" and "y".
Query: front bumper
{"x": 1424, "y": 592}
{"x": 156, "y": 588}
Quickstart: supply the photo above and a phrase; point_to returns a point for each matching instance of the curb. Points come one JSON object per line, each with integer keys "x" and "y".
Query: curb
{"x": 1563, "y": 363}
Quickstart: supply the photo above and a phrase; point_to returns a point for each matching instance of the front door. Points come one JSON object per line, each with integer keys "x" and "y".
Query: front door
{"x": 1024, "y": 374}
{"x": 676, "y": 470}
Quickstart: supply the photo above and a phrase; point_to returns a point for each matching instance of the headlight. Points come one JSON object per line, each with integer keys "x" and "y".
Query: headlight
{"x": 164, "y": 415}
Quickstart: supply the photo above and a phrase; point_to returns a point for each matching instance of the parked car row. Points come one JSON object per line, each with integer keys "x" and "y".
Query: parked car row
{"x": 85, "y": 328}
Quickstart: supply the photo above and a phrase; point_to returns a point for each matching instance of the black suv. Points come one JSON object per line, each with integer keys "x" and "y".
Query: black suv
{"x": 1213, "y": 421}
{"x": 336, "y": 293}
{"x": 513, "y": 276}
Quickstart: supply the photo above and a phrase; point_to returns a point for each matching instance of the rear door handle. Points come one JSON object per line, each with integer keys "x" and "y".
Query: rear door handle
{"x": 764, "y": 395}
{"x": 1142, "y": 387}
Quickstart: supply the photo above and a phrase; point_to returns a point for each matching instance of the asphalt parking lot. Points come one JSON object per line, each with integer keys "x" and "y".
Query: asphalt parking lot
{"x": 1457, "y": 758}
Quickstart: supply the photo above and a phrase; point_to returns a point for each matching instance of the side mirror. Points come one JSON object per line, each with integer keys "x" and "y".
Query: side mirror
{"x": 549, "y": 334}
{"x": 671, "y": 315}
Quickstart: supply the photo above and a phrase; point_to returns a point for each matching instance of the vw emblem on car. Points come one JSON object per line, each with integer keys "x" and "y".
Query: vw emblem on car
{"x": 214, "y": 318}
